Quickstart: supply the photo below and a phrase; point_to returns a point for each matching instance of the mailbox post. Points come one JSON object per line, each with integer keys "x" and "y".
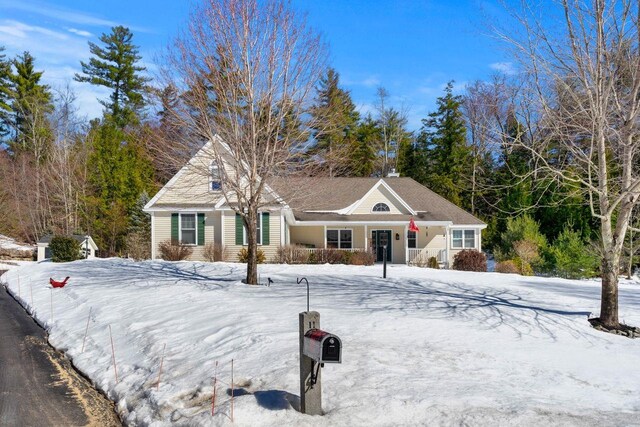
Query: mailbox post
{"x": 310, "y": 394}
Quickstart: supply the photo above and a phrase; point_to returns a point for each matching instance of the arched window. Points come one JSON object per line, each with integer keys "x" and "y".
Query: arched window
{"x": 215, "y": 185}
{"x": 381, "y": 207}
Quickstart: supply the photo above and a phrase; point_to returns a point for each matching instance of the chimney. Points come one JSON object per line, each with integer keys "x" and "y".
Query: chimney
{"x": 393, "y": 173}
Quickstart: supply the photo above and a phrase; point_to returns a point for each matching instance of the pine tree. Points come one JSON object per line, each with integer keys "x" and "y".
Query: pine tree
{"x": 443, "y": 142}
{"x": 362, "y": 155}
{"x": 115, "y": 66}
{"x": 5, "y": 94}
{"x": 30, "y": 103}
{"x": 335, "y": 119}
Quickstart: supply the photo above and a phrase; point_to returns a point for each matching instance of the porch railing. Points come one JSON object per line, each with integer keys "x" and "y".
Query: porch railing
{"x": 422, "y": 255}
{"x": 312, "y": 250}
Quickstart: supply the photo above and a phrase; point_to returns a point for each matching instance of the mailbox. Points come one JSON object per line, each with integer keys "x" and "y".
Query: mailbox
{"x": 322, "y": 346}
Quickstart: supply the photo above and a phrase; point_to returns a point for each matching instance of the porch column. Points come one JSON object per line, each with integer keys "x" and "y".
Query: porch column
{"x": 366, "y": 237}
{"x": 406, "y": 244}
{"x": 447, "y": 237}
{"x": 325, "y": 237}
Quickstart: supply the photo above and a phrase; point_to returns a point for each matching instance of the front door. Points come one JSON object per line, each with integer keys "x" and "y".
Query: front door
{"x": 380, "y": 238}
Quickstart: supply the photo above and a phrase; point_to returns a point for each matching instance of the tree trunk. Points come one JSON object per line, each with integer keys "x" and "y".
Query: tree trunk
{"x": 609, "y": 300}
{"x": 252, "y": 248}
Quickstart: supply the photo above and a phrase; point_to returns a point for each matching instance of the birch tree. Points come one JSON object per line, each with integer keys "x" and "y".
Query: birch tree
{"x": 247, "y": 70}
{"x": 584, "y": 90}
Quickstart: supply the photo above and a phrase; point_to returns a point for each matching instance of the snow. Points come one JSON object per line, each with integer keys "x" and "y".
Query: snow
{"x": 423, "y": 347}
{"x": 11, "y": 244}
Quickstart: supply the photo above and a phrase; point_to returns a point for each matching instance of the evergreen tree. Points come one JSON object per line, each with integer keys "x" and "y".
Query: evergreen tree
{"x": 335, "y": 119}
{"x": 5, "y": 94}
{"x": 443, "y": 142}
{"x": 120, "y": 173}
{"x": 115, "y": 66}
{"x": 30, "y": 103}
{"x": 362, "y": 156}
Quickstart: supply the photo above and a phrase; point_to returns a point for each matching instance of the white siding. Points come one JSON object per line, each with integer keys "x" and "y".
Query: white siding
{"x": 162, "y": 232}
{"x": 380, "y": 195}
{"x": 270, "y": 250}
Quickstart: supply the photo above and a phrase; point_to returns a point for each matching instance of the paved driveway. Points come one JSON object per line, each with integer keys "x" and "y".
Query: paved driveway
{"x": 38, "y": 386}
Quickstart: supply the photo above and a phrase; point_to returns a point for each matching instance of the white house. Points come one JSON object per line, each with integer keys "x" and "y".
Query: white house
{"x": 342, "y": 213}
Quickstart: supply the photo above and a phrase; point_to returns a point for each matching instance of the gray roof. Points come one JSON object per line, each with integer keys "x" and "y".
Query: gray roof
{"x": 305, "y": 195}
{"x": 47, "y": 239}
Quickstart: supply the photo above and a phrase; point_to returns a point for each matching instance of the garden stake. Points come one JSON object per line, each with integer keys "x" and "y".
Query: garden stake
{"x": 86, "y": 330}
{"x": 113, "y": 355}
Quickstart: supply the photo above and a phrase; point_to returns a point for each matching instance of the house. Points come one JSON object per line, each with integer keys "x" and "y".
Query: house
{"x": 88, "y": 247}
{"x": 342, "y": 213}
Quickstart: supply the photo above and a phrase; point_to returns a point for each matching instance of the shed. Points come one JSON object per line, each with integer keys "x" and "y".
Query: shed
{"x": 88, "y": 247}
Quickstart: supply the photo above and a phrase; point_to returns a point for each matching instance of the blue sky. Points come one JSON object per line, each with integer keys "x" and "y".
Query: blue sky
{"x": 412, "y": 48}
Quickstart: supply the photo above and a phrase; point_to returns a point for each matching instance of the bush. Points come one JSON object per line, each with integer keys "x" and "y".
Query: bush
{"x": 64, "y": 249}
{"x": 292, "y": 254}
{"x": 470, "y": 260}
{"x": 508, "y": 266}
{"x": 329, "y": 256}
{"x": 170, "y": 251}
{"x": 433, "y": 263}
{"x": 523, "y": 228}
{"x": 523, "y": 267}
{"x": 214, "y": 252}
{"x": 571, "y": 257}
{"x": 243, "y": 256}
{"x": 138, "y": 246}
{"x": 362, "y": 258}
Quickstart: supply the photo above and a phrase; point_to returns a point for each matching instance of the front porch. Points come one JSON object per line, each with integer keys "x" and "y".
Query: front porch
{"x": 403, "y": 247}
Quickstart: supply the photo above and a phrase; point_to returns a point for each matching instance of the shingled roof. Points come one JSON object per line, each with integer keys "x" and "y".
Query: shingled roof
{"x": 312, "y": 199}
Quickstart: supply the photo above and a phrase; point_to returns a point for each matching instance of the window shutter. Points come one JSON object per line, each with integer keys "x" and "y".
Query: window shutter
{"x": 265, "y": 228}
{"x": 239, "y": 230}
{"x": 200, "y": 229}
{"x": 174, "y": 228}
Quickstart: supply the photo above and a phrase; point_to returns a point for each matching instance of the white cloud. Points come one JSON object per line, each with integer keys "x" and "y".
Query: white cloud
{"x": 80, "y": 32}
{"x": 503, "y": 67}
{"x": 370, "y": 81}
{"x": 66, "y": 15}
{"x": 10, "y": 28}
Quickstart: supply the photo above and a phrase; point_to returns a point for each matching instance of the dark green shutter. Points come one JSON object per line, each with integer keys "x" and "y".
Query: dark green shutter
{"x": 174, "y": 227}
{"x": 200, "y": 229}
{"x": 239, "y": 230}
{"x": 265, "y": 228}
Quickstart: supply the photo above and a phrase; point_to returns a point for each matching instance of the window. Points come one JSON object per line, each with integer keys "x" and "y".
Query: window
{"x": 412, "y": 240}
{"x": 188, "y": 229}
{"x": 258, "y": 231}
{"x": 381, "y": 207}
{"x": 214, "y": 183}
{"x": 340, "y": 239}
{"x": 463, "y": 239}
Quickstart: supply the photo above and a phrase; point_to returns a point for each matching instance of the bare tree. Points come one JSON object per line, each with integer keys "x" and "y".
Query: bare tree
{"x": 584, "y": 92}
{"x": 247, "y": 71}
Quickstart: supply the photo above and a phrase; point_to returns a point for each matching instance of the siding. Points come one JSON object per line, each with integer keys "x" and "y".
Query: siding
{"x": 162, "y": 232}
{"x": 270, "y": 251}
{"x": 380, "y": 195}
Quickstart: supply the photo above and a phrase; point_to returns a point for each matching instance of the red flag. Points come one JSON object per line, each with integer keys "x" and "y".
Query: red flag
{"x": 413, "y": 226}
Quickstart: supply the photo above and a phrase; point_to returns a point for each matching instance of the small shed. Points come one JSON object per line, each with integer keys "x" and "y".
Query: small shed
{"x": 88, "y": 247}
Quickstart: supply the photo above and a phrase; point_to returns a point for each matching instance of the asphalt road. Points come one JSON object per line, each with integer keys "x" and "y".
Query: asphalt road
{"x": 38, "y": 385}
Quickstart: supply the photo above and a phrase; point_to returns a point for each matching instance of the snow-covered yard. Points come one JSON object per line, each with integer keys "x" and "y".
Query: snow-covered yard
{"x": 423, "y": 347}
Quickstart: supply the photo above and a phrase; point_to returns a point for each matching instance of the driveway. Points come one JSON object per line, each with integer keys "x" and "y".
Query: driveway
{"x": 38, "y": 385}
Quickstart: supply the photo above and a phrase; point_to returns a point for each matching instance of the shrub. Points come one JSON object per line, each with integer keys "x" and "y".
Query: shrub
{"x": 421, "y": 261}
{"x": 64, "y": 249}
{"x": 292, "y": 254}
{"x": 362, "y": 258}
{"x": 523, "y": 267}
{"x": 523, "y": 228}
{"x": 138, "y": 246}
{"x": 508, "y": 266}
{"x": 571, "y": 257}
{"x": 243, "y": 256}
{"x": 329, "y": 256}
{"x": 171, "y": 251}
{"x": 470, "y": 260}
{"x": 433, "y": 263}
{"x": 213, "y": 252}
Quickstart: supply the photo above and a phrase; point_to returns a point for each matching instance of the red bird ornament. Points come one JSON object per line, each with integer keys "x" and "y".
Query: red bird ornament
{"x": 57, "y": 284}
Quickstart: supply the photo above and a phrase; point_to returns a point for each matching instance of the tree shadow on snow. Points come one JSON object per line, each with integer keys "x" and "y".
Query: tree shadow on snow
{"x": 486, "y": 307}
{"x": 274, "y": 400}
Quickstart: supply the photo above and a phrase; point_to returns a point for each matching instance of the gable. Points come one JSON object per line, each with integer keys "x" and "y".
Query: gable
{"x": 380, "y": 194}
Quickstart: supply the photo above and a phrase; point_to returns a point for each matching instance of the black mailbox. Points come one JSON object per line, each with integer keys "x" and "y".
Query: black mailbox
{"x": 322, "y": 346}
